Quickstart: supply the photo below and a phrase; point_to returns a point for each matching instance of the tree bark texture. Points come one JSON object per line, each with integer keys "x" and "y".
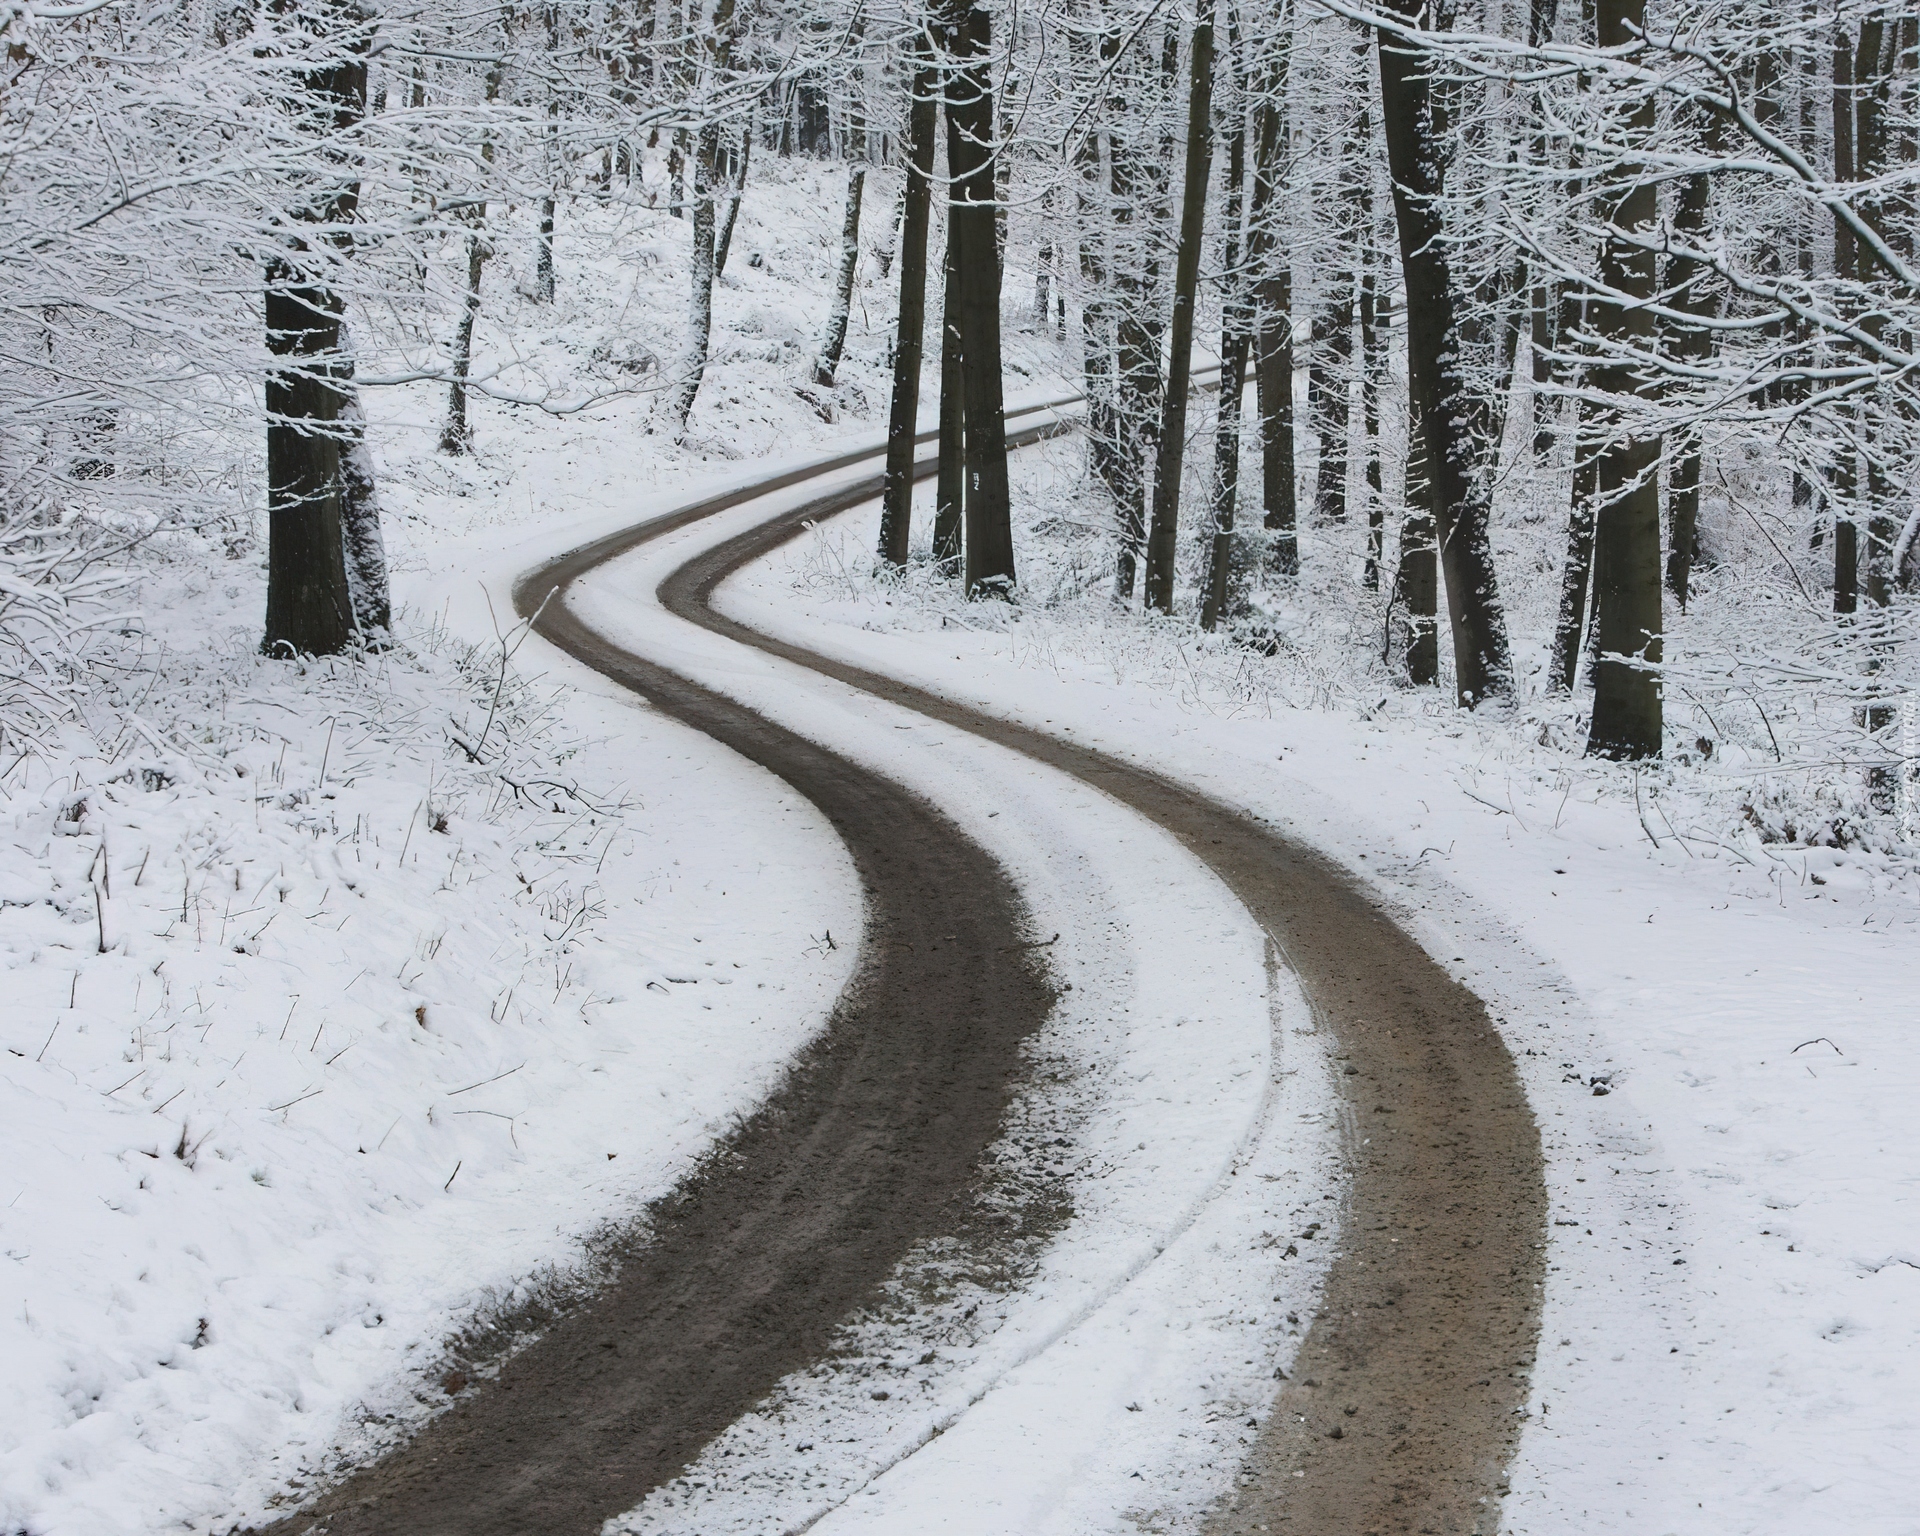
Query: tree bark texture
{"x": 1451, "y": 415}
{"x": 312, "y": 412}
{"x": 1235, "y": 339}
{"x": 828, "y": 363}
{"x": 1163, "y": 538}
{"x": 974, "y": 241}
{"x": 1416, "y": 582}
{"x": 1628, "y": 624}
{"x": 950, "y": 486}
{"x": 903, "y": 418}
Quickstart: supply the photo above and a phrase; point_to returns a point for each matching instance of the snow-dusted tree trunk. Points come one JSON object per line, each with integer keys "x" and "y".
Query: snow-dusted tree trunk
{"x": 1451, "y": 414}
{"x": 950, "y": 485}
{"x": 1627, "y": 712}
{"x": 310, "y": 608}
{"x": 1270, "y": 263}
{"x": 828, "y": 363}
{"x": 739, "y": 192}
{"x": 456, "y": 436}
{"x": 1163, "y": 537}
{"x": 903, "y": 422}
{"x": 1235, "y": 339}
{"x": 974, "y": 244}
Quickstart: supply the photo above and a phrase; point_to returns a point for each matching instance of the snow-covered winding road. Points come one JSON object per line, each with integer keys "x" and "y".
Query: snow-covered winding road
{"x": 1397, "y": 1410}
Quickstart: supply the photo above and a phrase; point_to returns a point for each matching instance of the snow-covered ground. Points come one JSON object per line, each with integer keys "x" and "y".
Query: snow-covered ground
{"x": 377, "y": 1043}
{"x": 1735, "y": 1255}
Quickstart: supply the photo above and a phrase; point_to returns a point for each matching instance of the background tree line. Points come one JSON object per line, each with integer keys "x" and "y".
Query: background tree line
{"x": 1655, "y": 263}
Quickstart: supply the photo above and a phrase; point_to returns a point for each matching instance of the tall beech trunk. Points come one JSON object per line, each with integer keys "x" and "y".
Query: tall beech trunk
{"x": 456, "y": 435}
{"x": 975, "y": 243}
{"x": 739, "y": 183}
{"x": 1416, "y": 582}
{"x": 313, "y": 424}
{"x": 716, "y": 65}
{"x": 1373, "y": 356}
{"x": 828, "y": 363}
{"x": 693, "y": 366}
{"x": 950, "y": 488}
{"x": 1452, "y": 416}
{"x": 1235, "y": 340}
{"x": 543, "y": 251}
{"x": 1373, "y": 367}
{"x": 903, "y": 418}
{"x": 1163, "y": 539}
{"x": 1627, "y": 709}
{"x": 1694, "y": 345}
{"x": 364, "y": 545}
{"x": 1136, "y": 412}
{"x": 1268, "y": 262}
{"x": 309, "y": 604}
{"x": 1576, "y": 569}
{"x": 1843, "y": 484}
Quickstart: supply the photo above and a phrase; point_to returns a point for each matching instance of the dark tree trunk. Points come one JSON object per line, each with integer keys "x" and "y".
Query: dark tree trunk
{"x": 975, "y": 243}
{"x": 365, "y": 545}
{"x": 693, "y": 367}
{"x": 1628, "y": 625}
{"x": 1268, "y": 265}
{"x": 543, "y": 252}
{"x": 1451, "y": 416}
{"x": 1096, "y": 272}
{"x": 309, "y": 605}
{"x": 1416, "y": 583}
{"x": 1235, "y": 339}
{"x": 1694, "y": 345}
{"x": 828, "y": 363}
{"x": 950, "y": 488}
{"x": 1163, "y": 541}
{"x": 725, "y": 242}
{"x": 1373, "y": 365}
{"x": 1843, "y": 484}
{"x": 457, "y": 435}
{"x": 903, "y": 420}
{"x": 312, "y": 412}
{"x": 1136, "y": 414}
{"x": 1576, "y": 570}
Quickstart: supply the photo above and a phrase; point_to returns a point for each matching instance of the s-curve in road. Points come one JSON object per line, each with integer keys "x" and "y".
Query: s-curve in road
{"x": 1403, "y": 1405}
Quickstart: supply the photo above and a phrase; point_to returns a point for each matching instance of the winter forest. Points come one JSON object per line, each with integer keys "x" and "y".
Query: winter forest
{"x": 949, "y": 766}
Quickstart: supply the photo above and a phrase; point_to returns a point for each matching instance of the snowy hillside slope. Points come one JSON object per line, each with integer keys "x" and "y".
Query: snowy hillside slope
{"x": 1715, "y": 1032}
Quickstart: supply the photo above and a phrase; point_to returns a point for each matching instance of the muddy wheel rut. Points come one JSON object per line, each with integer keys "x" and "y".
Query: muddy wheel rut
{"x": 1403, "y": 1403}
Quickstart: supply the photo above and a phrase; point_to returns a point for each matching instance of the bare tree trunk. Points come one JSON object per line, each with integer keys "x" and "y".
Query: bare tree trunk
{"x": 1452, "y": 417}
{"x": 1844, "y": 483}
{"x": 700, "y": 314}
{"x": 1692, "y": 344}
{"x": 365, "y": 546}
{"x": 1136, "y": 414}
{"x": 1163, "y": 540}
{"x": 1373, "y": 363}
{"x": 1416, "y": 583}
{"x": 457, "y": 435}
{"x": 950, "y": 488}
{"x": 828, "y": 362}
{"x": 725, "y": 243}
{"x": 543, "y": 253}
{"x": 309, "y": 604}
{"x": 903, "y": 422}
{"x": 310, "y": 598}
{"x": 1576, "y": 570}
{"x": 1235, "y": 336}
{"x": 975, "y": 244}
{"x": 1268, "y": 262}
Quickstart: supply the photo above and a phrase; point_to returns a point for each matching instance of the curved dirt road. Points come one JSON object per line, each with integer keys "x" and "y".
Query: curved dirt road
{"x": 1403, "y": 1405}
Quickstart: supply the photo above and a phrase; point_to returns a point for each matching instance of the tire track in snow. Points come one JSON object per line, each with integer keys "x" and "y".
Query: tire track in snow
{"x": 1403, "y": 1406}
{"x": 1406, "y": 1395}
